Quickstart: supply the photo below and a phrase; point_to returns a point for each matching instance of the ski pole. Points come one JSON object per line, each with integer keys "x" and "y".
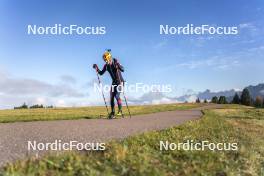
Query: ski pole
{"x": 102, "y": 93}
{"x": 123, "y": 91}
{"x": 126, "y": 103}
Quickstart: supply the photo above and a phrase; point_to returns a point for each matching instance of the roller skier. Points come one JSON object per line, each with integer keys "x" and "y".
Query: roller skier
{"x": 114, "y": 68}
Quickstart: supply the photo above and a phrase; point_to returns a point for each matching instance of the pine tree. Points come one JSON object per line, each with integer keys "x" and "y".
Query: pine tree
{"x": 198, "y": 100}
{"x": 214, "y": 99}
{"x": 24, "y": 106}
{"x": 222, "y": 100}
{"x": 245, "y": 97}
{"x": 236, "y": 99}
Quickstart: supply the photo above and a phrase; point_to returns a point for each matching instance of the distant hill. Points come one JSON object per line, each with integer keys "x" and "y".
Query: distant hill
{"x": 257, "y": 90}
{"x": 208, "y": 94}
{"x": 160, "y": 98}
{"x": 254, "y": 91}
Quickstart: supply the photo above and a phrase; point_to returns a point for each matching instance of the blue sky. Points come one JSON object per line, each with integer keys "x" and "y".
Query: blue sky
{"x": 195, "y": 62}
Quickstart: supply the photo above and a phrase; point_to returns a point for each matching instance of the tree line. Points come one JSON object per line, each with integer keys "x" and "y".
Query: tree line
{"x": 244, "y": 99}
{"x": 36, "y": 106}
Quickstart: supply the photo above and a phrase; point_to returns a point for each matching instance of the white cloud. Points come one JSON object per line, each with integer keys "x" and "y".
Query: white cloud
{"x": 24, "y": 86}
{"x": 61, "y": 103}
{"x": 91, "y": 83}
{"x": 215, "y": 63}
{"x": 200, "y": 41}
{"x": 191, "y": 98}
{"x": 15, "y": 91}
{"x": 160, "y": 98}
{"x": 163, "y": 100}
{"x": 256, "y": 49}
{"x": 237, "y": 89}
{"x": 160, "y": 44}
{"x": 40, "y": 100}
{"x": 251, "y": 28}
{"x": 247, "y": 26}
{"x": 68, "y": 79}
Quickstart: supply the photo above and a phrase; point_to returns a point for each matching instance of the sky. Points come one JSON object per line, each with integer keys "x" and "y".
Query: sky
{"x": 57, "y": 70}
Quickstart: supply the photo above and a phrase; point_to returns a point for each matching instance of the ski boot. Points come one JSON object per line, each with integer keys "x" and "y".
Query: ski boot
{"x": 111, "y": 115}
{"x": 120, "y": 113}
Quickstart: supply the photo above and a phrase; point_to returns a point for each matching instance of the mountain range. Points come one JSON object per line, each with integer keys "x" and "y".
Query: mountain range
{"x": 160, "y": 98}
{"x": 254, "y": 91}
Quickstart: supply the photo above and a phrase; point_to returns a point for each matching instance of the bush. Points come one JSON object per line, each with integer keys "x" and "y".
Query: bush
{"x": 198, "y": 100}
{"x": 258, "y": 102}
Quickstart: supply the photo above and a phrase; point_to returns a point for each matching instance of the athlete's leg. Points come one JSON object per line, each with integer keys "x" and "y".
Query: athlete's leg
{"x": 112, "y": 100}
{"x": 118, "y": 99}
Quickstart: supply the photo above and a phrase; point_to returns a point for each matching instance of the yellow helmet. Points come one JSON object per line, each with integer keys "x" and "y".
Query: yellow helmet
{"x": 107, "y": 56}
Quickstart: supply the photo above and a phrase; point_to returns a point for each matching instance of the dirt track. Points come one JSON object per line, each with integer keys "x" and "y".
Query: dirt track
{"x": 14, "y": 136}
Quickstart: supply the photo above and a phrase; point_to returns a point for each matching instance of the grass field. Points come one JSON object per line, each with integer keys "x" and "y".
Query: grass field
{"x": 140, "y": 155}
{"x": 83, "y": 113}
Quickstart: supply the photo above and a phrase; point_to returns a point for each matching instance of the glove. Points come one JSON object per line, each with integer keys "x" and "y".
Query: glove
{"x": 95, "y": 67}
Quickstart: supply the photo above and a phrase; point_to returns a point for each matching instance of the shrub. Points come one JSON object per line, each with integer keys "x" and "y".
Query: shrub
{"x": 258, "y": 102}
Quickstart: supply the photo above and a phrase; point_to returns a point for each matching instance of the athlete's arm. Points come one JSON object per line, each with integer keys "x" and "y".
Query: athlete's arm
{"x": 119, "y": 66}
{"x": 101, "y": 72}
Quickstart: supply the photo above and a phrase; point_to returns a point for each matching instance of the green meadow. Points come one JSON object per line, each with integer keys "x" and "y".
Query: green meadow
{"x": 24, "y": 115}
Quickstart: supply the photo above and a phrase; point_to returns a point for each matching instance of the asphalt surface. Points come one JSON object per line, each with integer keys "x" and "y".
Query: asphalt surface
{"x": 14, "y": 137}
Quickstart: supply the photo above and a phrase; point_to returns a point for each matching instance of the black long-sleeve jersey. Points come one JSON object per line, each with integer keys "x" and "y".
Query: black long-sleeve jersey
{"x": 114, "y": 69}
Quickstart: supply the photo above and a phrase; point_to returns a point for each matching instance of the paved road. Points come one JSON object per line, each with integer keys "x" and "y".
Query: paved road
{"x": 14, "y": 137}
